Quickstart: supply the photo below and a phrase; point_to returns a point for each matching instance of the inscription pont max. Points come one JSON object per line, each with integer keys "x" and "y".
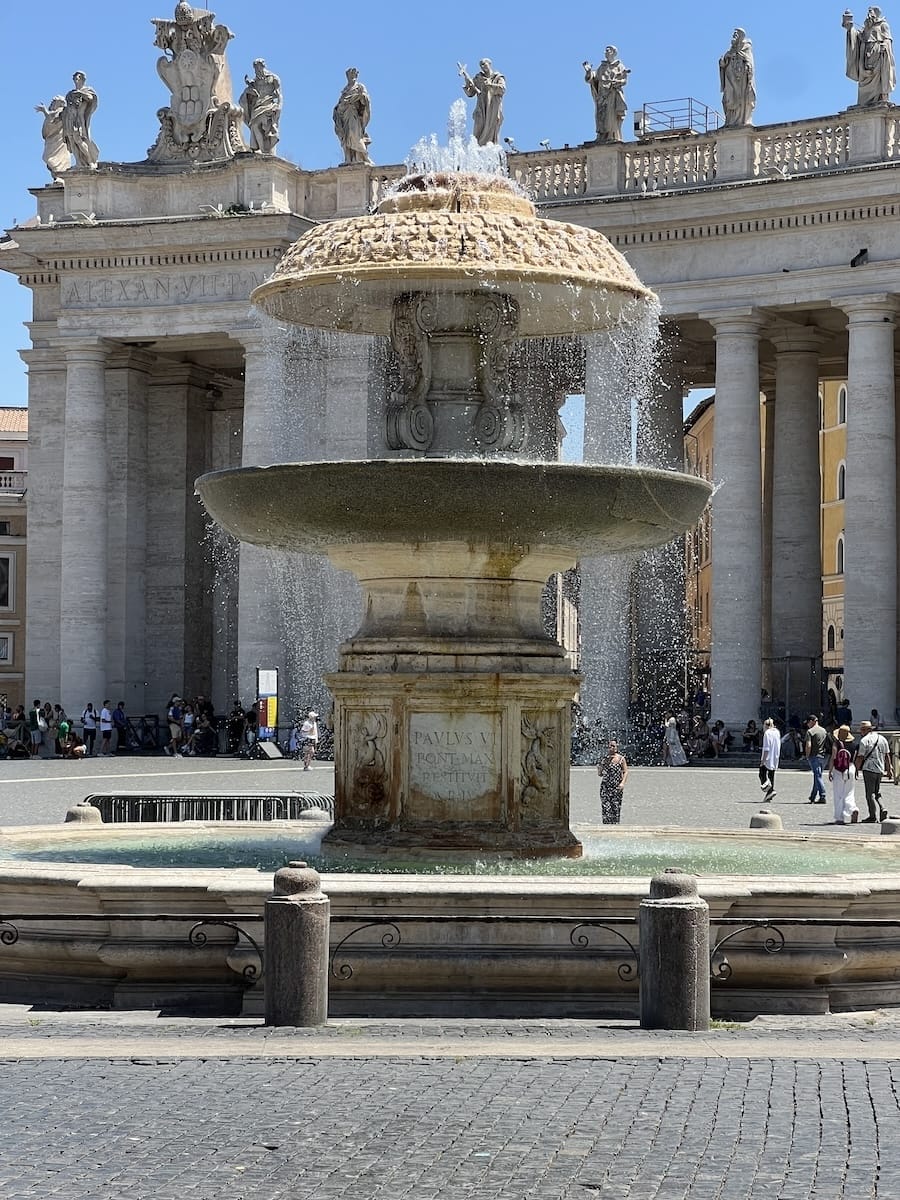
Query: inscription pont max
{"x": 114, "y": 291}
{"x": 454, "y": 756}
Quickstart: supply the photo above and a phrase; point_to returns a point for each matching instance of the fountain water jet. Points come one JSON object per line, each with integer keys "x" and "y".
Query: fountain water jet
{"x": 451, "y": 703}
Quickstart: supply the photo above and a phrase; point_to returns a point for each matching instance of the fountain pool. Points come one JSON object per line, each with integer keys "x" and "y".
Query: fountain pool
{"x": 456, "y": 954}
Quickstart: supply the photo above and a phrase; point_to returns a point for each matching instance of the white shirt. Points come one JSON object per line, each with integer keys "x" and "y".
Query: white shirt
{"x": 309, "y": 730}
{"x": 771, "y": 749}
{"x": 105, "y": 720}
{"x": 873, "y": 762}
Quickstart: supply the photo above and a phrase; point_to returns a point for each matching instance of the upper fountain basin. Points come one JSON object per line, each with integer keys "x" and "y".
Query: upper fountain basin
{"x": 451, "y": 232}
{"x": 592, "y": 509}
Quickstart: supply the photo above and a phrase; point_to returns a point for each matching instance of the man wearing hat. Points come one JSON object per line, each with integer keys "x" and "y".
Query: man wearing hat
{"x": 873, "y": 758}
{"x": 309, "y": 738}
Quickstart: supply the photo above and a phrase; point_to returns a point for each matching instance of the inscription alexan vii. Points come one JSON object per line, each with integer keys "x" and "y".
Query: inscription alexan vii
{"x": 175, "y": 288}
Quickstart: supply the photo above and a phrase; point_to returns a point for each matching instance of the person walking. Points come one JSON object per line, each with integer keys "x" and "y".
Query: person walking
{"x": 769, "y": 757}
{"x": 842, "y": 775}
{"x": 120, "y": 723}
{"x": 873, "y": 759}
{"x": 176, "y": 729}
{"x": 106, "y": 728}
{"x": 35, "y": 733}
{"x": 613, "y": 772}
{"x": 89, "y": 726}
{"x": 814, "y": 748}
{"x": 309, "y": 738}
{"x": 673, "y": 751}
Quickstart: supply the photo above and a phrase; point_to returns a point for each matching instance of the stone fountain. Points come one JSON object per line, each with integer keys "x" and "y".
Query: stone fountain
{"x": 451, "y": 701}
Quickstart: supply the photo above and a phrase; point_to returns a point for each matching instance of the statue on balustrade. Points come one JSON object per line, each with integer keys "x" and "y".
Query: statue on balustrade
{"x": 608, "y": 89}
{"x": 737, "y": 76}
{"x": 261, "y": 105}
{"x": 202, "y": 123}
{"x": 870, "y": 58}
{"x": 351, "y": 117}
{"x": 67, "y": 128}
{"x": 489, "y": 86}
{"x": 56, "y": 153}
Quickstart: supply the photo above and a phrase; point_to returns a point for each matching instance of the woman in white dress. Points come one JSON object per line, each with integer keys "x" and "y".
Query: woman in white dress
{"x": 842, "y": 775}
{"x": 673, "y": 751}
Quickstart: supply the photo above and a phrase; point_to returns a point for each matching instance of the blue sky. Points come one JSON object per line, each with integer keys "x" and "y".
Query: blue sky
{"x": 406, "y": 54}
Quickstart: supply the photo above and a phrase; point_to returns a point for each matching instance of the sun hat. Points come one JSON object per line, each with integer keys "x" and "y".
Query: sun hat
{"x": 843, "y": 734}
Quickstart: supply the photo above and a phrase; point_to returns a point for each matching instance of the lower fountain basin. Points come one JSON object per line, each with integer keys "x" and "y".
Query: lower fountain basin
{"x": 590, "y": 509}
{"x": 463, "y": 966}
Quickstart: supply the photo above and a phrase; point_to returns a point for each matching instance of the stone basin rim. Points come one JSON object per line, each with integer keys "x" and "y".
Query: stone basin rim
{"x": 321, "y": 505}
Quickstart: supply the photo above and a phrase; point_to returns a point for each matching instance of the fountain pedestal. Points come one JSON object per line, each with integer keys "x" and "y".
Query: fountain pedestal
{"x": 455, "y": 763}
{"x": 452, "y": 704}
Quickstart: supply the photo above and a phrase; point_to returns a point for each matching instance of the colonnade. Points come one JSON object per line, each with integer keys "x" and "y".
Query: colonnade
{"x": 786, "y": 604}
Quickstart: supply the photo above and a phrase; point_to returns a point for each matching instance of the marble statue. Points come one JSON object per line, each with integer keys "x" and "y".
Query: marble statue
{"x": 79, "y": 105}
{"x": 737, "y": 76}
{"x": 870, "y": 58}
{"x": 489, "y": 87}
{"x": 202, "y": 123}
{"x": 261, "y": 105}
{"x": 608, "y": 89}
{"x": 351, "y": 117}
{"x": 56, "y": 153}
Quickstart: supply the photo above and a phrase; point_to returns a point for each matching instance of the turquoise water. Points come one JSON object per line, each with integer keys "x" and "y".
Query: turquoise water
{"x": 640, "y": 855}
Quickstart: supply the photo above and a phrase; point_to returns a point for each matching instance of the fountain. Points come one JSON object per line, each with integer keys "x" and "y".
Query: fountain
{"x": 451, "y": 702}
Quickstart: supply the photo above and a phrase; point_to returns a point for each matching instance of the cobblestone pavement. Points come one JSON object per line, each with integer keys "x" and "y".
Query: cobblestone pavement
{"x": 35, "y": 793}
{"x": 529, "y": 1124}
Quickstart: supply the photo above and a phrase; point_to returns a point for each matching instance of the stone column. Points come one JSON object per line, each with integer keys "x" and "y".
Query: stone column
{"x": 796, "y": 564}
{"x": 83, "y": 564}
{"x": 46, "y": 466}
{"x": 736, "y": 602}
{"x": 126, "y": 388}
{"x": 768, "y": 435}
{"x": 261, "y": 637}
{"x": 870, "y": 509}
{"x": 166, "y": 549}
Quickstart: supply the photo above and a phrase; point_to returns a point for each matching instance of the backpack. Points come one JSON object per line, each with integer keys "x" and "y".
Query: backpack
{"x": 842, "y": 760}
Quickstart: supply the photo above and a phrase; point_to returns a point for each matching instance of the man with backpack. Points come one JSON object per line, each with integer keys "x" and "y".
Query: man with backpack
{"x": 873, "y": 758}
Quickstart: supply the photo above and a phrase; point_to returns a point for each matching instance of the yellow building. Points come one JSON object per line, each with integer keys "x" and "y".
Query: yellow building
{"x": 699, "y": 431}
{"x": 832, "y": 457}
{"x": 13, "y": 491}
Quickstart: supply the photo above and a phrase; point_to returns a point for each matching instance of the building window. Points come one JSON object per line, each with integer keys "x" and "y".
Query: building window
{"x": 842, "y": 406}
{"x": 840, "y": 555}
{"x": 831, "y": 639}
{"x": 6, "y": 648}
{"x": 7, "y": 582}
{"x": 841, "y": 482}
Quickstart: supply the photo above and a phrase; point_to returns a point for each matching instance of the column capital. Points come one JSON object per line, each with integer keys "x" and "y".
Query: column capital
{"x": 879, "y": 308}
{"x": 253, "y": 338}
{"x": 84, "y": 349}
{"x": 746, "y": 322}
{"x": 788, "y": 338}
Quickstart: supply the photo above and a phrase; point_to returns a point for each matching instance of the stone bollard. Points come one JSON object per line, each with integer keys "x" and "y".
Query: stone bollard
{"x": 890, "y": 827}
{"x": 766, "y": 820}
{"x": 674, "y": 954}
{"x": 84, "y": 813}
{"x": 297, "y": 925}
